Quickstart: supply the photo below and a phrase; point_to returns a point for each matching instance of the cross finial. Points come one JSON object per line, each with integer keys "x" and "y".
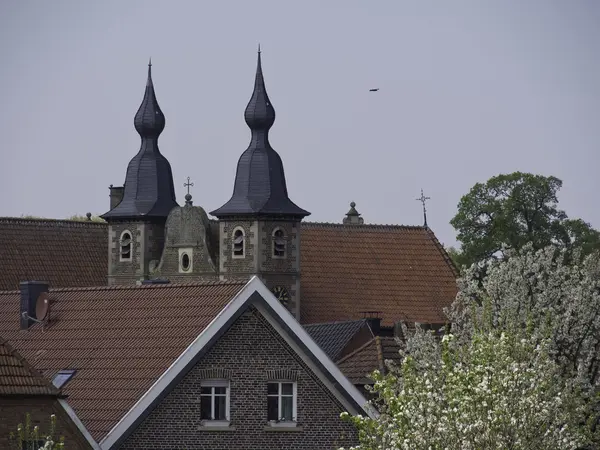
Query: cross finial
{"x": 188, "y": 185}
{"x": 188, "y": 196}
{"x": 423, "y": 200}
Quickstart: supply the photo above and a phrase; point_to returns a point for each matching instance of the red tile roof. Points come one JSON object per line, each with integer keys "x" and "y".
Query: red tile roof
{"x": 120, "y": 340}
{"x": 64, "y": 253}
{"x": 358, "y": 365}
{"x": 401, "y": 272}
{"x": 18, "y": 377}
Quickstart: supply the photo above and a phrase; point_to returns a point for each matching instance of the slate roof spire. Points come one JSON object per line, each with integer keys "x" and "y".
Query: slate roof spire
{"x": 148, "y": 188}
{"x": 260, "y": 188}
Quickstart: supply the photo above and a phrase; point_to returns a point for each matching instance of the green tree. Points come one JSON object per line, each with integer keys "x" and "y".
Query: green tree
{"x": 509, "y": 211}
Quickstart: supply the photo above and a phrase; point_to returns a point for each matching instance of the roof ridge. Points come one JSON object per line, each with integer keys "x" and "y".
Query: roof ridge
{"x": 364, "y": 226}
{"x": 443, "y": 252}
{"x": 359, "y": 349}
{"x": 118, "y": 287}
{"x": 30, "y": 369}
{"x": 337, "y": 322}
{"x": 50, "y": 220}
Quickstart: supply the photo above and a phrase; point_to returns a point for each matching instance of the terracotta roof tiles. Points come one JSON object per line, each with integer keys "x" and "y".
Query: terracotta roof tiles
{"x": 358, "y": 365}
{"x": 18, "y": 377}
{"x": 401, "y": 272}
{"x": 61, "y": 252}
{"x": 119, "y": 339}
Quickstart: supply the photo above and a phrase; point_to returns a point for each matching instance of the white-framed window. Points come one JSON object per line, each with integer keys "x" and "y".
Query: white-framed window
{"x": 186, "y": 260}
{"x": 239, "y": 243}
{"x": 279, "y": 243}
{"x": 281, "y": 403}
{"x": 214, "y": 402}
{"x": 125, "y": 246}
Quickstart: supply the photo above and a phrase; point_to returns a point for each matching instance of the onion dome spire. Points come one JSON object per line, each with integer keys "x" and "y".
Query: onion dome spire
{"x": 259, "y": 114}
{"x": 260, "y": 188}
{"x": 148, "y": 190}
{"x": 149, "y": 120}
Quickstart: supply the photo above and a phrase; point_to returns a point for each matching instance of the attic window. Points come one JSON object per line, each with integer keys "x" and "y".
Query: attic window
{"x": 238, "y": 243}
{"x": 62, "y": 377}
{"x": 278, "y": 243}
{"x": 125, "y": 246}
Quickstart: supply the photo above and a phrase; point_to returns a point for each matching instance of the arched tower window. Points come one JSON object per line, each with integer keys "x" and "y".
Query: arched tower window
{"x": 125, "y": 246}
{"x": 279, "y": 243}
{"x": 239, "y": 244}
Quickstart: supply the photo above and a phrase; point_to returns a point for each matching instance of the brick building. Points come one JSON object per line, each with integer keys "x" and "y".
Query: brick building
{"x": 25, "y": 391}
{"x": 219, "y": 365}
{"x": 120, "y": 341}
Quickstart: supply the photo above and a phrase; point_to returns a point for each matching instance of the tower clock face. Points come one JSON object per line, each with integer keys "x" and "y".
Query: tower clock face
{"x": 281, "y": 294}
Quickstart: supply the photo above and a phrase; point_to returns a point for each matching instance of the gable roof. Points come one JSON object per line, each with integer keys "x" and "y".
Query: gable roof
{"x": 401, "y": 272}
{"x": 64, "y": 253}
{"x": 120, "y": 340}
{"x": 255, "y": 293}
{"x": 18, "y": 377}
{"x": 371, "y": 356}
{"x": 333, "y": 337}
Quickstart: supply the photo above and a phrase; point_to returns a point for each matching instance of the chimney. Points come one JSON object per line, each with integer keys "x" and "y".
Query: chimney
{"x": 352, "y": 216}
{"x": 374, "y": 324}
{"x": 116, "y": 195}
{"x": 30, "y": 291}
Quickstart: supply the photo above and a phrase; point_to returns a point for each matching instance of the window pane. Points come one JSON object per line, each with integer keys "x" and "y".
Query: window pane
{"x": 273, "y": 388}
{"x": 287, "y": 388}
{"x": 220, "y": 407}
{"x": 205, "y": 408}
{"x": 287, "y": 406}
{"x": 272, "y": 408}
{"x": 221, "y": 390}
{"x": 205, "y": 390}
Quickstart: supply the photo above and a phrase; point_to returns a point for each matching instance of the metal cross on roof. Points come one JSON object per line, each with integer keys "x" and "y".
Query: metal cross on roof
{"x": 188, "y": 185}
{"x": 423, "y": 200}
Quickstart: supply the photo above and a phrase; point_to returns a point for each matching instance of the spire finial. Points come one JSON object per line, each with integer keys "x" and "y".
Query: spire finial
{"x": 149, "y": 120}
{"x": 423, "y": 200}
{"x": 259, "y": 114}
{"x": 259, "y": 47}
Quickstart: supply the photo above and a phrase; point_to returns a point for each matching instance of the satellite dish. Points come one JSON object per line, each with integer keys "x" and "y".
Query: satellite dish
{"x": 42, "y": 306}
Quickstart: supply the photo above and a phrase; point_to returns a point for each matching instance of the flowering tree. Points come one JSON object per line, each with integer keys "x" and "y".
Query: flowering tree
{"x": 553, "y": 292}
{"x": 31, "y": 438}
{"x": 498, "y": 391}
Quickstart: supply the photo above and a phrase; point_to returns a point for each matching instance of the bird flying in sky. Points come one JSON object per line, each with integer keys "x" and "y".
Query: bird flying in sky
{"x": 373, "y": 90}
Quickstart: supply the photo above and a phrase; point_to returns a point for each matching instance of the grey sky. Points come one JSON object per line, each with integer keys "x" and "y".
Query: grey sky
{"x": 469, "y": 89}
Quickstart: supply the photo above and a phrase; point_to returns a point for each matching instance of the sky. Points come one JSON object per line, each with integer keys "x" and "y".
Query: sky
{"x": 468, "y": 90}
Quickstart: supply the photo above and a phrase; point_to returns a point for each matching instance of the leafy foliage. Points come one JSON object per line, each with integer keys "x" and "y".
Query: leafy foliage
{"x": 31, "y": 438}
{"x": 93, "y": 218}
{"x": 499, "y": 390}
{"x": 509, "y": 211}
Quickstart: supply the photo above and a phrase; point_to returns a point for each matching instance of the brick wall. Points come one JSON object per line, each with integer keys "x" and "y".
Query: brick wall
{"x": 147, "y": 245}
{"x": 232, "y": 267}
{"x": 249, "y": 351}
{"x": 13, "y": 411}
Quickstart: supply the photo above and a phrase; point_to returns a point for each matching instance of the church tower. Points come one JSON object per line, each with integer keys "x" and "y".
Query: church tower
{"x": 140, "y": 208}
{"x": 260, "y": 226}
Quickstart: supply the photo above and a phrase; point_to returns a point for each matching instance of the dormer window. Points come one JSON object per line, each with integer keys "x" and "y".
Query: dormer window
{"x": 279, "y": 243}
{"x": 238, "y": 243}
{"x": 125, "y": 246}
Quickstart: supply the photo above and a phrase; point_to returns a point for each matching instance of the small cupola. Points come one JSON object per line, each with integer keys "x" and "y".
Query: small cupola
{"x": 148, "y": 191}
{"x": 353, "y": 216}
{"x": 260, "y": 187}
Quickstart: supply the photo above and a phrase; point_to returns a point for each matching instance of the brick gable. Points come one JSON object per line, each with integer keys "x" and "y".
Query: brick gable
{"x": 250, "y": 351}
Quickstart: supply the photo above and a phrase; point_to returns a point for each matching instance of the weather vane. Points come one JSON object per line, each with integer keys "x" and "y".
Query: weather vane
{"x": 423, "y": 200}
